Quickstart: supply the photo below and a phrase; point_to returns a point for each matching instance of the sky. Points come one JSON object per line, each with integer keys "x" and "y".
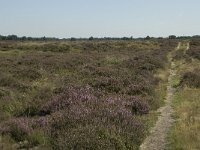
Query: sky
{"x": 99, "y": 18}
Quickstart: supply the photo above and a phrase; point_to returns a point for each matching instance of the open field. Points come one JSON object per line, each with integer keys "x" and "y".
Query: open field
{"x": 81, "y": 94}
{"x": 100, "y": 94}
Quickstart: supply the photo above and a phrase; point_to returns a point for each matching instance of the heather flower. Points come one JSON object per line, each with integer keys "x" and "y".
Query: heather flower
{"x": 71, "y": 96}
{"x": 18, "y": 128}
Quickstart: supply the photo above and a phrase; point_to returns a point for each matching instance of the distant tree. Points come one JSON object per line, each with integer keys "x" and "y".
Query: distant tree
{"x": 23, "y": 38}
{"x": 43, "y": 38}
{"x": 73, "y": 39}
{"x": 3, "y": 37}
{"x": 29, "y": 38}
{"x": 148, "y": 38}
{"x": 125, "y": 38}
{"x": 196, "y": 36}
{"x": 172, "y": 37}
{"x": 11, "y": 37}
{"x": 91, "y": 38}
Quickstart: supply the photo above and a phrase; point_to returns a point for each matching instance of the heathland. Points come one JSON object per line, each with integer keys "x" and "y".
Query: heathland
{"x": 92, "y": 94}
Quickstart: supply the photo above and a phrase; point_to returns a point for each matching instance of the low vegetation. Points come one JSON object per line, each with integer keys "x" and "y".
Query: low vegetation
{"x": 185, "y": 132}
{"x": 194, "y": 50}
{"x": 80, "y": 94}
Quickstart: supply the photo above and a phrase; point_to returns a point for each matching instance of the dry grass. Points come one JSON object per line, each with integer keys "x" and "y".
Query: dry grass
{"x": 185, "y": 134}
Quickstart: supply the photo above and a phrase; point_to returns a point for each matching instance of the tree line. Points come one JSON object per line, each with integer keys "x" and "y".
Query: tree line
{"x": 24, "y": 38}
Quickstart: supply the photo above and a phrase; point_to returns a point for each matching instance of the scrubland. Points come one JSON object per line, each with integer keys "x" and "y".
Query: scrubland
{"x": 83, "y": 94}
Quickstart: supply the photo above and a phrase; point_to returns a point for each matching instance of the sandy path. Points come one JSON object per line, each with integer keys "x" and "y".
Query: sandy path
{"x": 188, "y": 46}
{"x": 157, "y": 138}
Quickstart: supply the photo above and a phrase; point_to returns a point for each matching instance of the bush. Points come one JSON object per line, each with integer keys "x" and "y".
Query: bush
{"x": 194, "y": 50}
{"x": 71, "y": 96}
{"x": 105, "y": 127}
{"x": 195, "y": 53}
{"x": 139, "y": 106}
{"x": 17, "y": 128}
{"x": 191, "y": 79}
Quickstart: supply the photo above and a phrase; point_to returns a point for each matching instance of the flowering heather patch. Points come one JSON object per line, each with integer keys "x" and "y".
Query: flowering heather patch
{"x": 40, "y": 122}
{"x": 135, "y": 104}
{"x": 150, "y": 61}
{"x": 70, "y": 97}
{"x": 81, "y": 125}
{"x": 21, "y": 129}
{"x": 139, "y": 106}
{"x": 18, "y": 128}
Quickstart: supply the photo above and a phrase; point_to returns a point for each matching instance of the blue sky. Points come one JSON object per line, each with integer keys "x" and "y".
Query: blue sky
{"x": 99, "y": 18}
